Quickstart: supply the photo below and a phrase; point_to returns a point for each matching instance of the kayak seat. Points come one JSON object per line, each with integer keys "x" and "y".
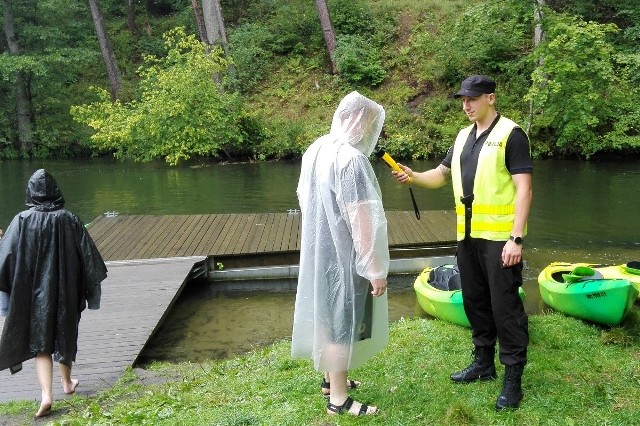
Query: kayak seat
{"x": 454, "y": 282}
{"x": 582, "y": 273}
{"x": 445, "y": 277}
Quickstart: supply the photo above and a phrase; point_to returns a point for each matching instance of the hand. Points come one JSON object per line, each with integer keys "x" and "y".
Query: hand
{"x": 511, "y": 254}
{"x": 379, "y": 286}
{"x": 405, "y": 176}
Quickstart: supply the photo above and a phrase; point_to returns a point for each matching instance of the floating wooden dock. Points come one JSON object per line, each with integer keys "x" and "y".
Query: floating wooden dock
{"x": 151, "y": 258}
{"x": 253, "y": 239}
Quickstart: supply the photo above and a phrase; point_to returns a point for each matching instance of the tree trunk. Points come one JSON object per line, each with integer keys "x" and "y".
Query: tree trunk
{"x": 197, "y": 13}
{"x": 214, "y": 24}
{"x": 538, "y": 37}
{"x": 131, "y": 16}
{"x": 215, "y": 30}
{"x": 107, "y": 53}
{"x": 23, "y": 102}
{"x": 327, "y": 32}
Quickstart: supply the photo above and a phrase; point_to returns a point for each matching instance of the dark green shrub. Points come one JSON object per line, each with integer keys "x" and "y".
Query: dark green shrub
{"x": 358, "y": 61}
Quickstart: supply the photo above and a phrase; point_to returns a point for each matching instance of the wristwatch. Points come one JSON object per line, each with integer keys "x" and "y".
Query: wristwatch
{"x": 517, "y": 240}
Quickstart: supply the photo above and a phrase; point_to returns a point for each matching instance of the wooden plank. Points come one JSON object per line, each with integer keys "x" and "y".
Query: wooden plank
{"x": 210, "y": 233}
{"x": 221, "y": 245}
{"x": 157, "y": 238}
{"x": 395, "y": 230}
{"x": 242, "y": 233}
{"x": 110, "y": 247}
{"x": 98, "y": 227}
{"x": 255, "y": 234}
{"x": 138, "y": 237}
{"x": 264, "y": 245}
{"x": 182, "y": 237}
{"x": 287, "y": 232}
{"x": 176, "y": 228}
{"x": 196, "y": 234}
{"x": 294, "y": 239}
{"x": 278, "y": 235}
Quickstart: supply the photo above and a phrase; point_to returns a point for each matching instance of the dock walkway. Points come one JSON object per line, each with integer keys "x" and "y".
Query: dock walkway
{"x": 151, "y": 258}
{"x": 265, "y": 237}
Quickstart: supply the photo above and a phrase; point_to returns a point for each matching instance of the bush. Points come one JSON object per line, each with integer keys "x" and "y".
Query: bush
{"x": 181, "y": 111}
{"x": 357, "y": 61}
{"x": 248, "y": 45}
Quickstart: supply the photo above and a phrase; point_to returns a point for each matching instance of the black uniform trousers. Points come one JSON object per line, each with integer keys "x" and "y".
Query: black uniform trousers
{"x": 491, "y": 300}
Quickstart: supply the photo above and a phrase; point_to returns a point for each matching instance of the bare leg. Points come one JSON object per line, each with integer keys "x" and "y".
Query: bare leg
{"x": 338, "y": 380}
{"x": 68, "y": 384}
{"x": 351, "y": 384}
{"x": 44, "y": 371}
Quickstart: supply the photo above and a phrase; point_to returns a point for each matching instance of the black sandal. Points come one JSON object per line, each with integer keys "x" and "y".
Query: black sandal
{"x": 344, "y": 408}
{"x": 327, "y": 386}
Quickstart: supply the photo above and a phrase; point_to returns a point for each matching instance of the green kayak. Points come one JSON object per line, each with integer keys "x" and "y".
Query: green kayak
{"x": 439, "y": 294}
{"x": 598, "y": 294}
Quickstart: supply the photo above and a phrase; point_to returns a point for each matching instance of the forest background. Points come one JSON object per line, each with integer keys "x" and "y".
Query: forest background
{"x": 142, "y": 80}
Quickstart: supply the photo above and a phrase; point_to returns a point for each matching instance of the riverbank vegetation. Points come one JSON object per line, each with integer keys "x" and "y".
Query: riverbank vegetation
{"x": 578, "y": 374}
{"x": 567, "y": 71}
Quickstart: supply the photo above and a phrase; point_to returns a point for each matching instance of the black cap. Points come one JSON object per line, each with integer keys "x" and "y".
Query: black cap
{"x": 476, "y": 85}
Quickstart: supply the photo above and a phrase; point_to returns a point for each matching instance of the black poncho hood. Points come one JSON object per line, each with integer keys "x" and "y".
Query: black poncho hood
{"x": 43, "y": 193}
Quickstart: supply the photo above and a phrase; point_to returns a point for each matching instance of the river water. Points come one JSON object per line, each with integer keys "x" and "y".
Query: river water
{"x": 582, "y": 211}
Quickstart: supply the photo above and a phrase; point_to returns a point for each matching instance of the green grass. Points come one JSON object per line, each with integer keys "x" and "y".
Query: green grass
{"x": 578, "y": 374}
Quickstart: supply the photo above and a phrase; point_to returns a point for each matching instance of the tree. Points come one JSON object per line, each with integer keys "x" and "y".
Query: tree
{"x": 180, "y": 111}
{"x": 327, "y": 32}
{"x": 131, "y": 16}
{"x": 581, "y": 90}
{"x": 23, "y": 102}
{"x": 105, "y": 47}
{"x": 197, "y": 13}
{"x": 214, "y": 24}
{"x": 538, "y": 38}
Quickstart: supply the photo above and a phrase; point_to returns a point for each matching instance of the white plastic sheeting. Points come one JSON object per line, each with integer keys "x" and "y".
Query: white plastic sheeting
{"x": 344, "y": 243}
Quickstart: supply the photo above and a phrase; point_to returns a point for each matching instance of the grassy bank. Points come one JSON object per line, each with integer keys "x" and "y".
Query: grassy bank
{"x": 578, "y": 374}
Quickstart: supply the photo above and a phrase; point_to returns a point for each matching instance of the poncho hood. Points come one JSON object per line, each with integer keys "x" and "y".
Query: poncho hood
{"x": 43, "y": 193}
{"x": 358, "y": 121}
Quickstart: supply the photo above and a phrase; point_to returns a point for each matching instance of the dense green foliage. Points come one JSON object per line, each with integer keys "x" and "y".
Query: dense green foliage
{"x": 573, "y": 93}
{"x": 180, "y": 112}
{"x": 577, "y": 374}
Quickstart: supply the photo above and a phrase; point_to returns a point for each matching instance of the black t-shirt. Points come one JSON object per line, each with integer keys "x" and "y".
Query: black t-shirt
{"x": 517, "y": 155}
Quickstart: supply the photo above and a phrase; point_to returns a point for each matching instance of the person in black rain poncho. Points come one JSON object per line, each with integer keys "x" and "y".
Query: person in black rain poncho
{"x": 50, "y": 270}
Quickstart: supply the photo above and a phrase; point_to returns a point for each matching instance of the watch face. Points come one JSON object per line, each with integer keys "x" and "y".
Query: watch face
{"x": 517, "y": 240}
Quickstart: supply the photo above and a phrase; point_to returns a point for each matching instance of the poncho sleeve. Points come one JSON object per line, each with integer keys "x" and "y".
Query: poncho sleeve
{"x": 94, "y": 269}
{"x": 359, "y": 195}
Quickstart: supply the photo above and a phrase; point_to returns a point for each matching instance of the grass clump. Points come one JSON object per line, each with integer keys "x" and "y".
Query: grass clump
{"x": 574, "y": 377}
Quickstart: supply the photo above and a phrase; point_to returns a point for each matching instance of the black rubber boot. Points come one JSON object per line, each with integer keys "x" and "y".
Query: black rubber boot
{"x": 511, "y": 394}
{"x": 481, "y": 368}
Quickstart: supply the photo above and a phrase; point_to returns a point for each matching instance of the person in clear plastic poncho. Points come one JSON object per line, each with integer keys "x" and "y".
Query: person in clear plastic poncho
{"x": 344, "y": 256}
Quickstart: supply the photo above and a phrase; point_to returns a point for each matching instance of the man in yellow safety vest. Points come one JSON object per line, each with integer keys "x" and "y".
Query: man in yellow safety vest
{"x": 490, "y": 167}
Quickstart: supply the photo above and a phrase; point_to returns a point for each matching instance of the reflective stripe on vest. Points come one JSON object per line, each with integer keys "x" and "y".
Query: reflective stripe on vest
{"x": 493, "y": 208}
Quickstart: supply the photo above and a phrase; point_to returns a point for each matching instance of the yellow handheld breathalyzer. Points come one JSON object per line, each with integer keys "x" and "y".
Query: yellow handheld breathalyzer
{"x": 386, "y": 159}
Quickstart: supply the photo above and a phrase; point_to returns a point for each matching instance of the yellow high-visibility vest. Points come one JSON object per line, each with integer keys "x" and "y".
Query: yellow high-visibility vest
{"x": 493, "y": 208}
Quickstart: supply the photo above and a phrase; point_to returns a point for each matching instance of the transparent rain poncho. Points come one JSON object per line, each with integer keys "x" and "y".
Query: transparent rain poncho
{"x": 344, "y": 242}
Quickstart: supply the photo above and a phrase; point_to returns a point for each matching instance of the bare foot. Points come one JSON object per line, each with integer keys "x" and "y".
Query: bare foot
{"x": 45, "y": 409}
{"x": 69, "y": 389}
